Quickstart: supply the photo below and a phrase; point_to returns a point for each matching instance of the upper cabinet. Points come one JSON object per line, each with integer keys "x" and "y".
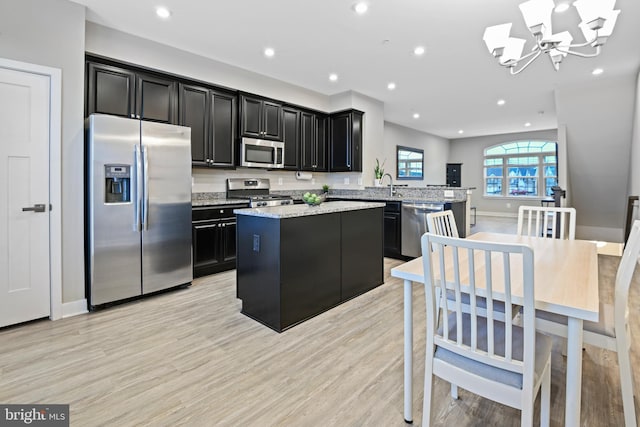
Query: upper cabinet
{"x": 291, "y": 137}
{"x": 126, "y": 93}
{"x": 313, "y": 142}
{"x": 260, "y": 117}
{"x": 211, "y": 115}
{"x": 345, "y": 141}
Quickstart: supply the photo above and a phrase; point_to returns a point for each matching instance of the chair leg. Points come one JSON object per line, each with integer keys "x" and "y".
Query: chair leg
{"x": 626, "y": 380}
{"x": 526, "y": 419}
{"x": 454, "y": 391}
{"x": 545, "y": 398}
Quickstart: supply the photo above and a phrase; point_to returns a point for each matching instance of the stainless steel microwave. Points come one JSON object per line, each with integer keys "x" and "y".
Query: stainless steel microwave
{"x": 260, "y": 153}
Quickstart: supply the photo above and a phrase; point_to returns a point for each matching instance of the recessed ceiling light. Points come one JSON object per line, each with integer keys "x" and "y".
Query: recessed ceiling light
{"x": 562, "y": 7}
{"x": 419, "y": 50}
{"x": 269, "y": 52}
{"x": 460, "y": 131}
{"x": 527, "y": 124}
{"x": 333, "y": 77}
{"x": 597, "y": 71}
{"x": 163, "y": 12}
{"x": 361, "y": 7}
{"x": 416, "y": 115}
{"x": 391, "y": 86}
{"x": 501, "y": 102}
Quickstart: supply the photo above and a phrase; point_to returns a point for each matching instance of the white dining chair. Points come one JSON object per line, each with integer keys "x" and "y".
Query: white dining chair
{"x": 547, "y": 221}
{"x": 498, "y": 360}
{"x": 611, "y": 332}
{"x": 443, "y": 223}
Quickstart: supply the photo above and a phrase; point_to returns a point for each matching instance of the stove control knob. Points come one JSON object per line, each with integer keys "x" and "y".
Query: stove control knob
{"x": 262, "y": 203}
{"x": 285, "y": 202}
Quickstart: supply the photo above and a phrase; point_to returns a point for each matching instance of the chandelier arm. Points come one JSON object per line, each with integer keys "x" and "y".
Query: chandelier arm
{"x": 511, "y": 67}
{"x": 514, "y": 62}
{"x": 580, "y": 54}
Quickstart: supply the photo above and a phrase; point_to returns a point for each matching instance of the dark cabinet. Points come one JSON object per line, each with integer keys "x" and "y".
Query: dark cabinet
{"x": 392, "y": 230}
{"x": 211, "y": 115}
{"x": 345, "y": 142}
{"x": 313, "y": 142}
{"x": 127, "y": 93}
{"x": 454, "y": 174}
{"x": 214, "y": 239}
{"x": 260, "y": 118}
{"x": 291, "y": 137}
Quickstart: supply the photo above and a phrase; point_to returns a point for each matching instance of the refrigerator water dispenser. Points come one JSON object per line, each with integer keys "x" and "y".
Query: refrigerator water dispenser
{"x": 117, "y": 183}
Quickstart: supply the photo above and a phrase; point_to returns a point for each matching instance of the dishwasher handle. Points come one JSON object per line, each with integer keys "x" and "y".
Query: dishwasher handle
{"x": 431, "y": 207}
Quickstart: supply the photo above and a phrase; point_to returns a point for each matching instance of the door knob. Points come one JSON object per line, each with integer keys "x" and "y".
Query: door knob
{"x": 35, "y": 208}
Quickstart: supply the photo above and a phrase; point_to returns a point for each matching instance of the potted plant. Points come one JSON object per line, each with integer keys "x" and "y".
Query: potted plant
{"x": 379, "y": 173}
{"x": 325, "y": 189}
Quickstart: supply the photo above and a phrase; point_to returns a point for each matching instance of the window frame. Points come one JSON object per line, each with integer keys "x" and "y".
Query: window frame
{"x": 398, "y": 161}
{"x": 503, "y": 181}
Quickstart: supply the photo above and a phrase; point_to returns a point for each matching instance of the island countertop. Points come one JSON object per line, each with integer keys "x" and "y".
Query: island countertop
{"x": 292, "y": 211}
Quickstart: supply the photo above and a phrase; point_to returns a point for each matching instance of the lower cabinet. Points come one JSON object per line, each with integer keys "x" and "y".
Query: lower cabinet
{"x": 392, "y": 230}
{"x": 214, "y": 239}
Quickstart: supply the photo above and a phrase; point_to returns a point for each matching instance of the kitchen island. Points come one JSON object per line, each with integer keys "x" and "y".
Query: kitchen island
{"x": 295, "y": 262}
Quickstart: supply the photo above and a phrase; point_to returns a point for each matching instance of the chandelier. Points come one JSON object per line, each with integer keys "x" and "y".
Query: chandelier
{"x": 598, "y": 19}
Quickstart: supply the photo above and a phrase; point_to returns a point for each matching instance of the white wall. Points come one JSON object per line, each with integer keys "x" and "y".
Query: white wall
{"x": 470, "y": 152}
{"x": 51, "y": 33}
{"x": 599, "y": 122}
{"x": 436, "y": 154}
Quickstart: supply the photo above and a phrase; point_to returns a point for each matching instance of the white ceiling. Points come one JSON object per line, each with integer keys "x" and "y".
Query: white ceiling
{"x": 454, "y": 85}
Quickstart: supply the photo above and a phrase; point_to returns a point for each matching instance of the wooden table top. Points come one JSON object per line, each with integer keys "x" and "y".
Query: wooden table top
{"x": 566, "y": 273}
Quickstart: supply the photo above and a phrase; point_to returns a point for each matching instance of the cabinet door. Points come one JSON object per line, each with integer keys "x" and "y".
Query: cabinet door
{"x": 194, "y": 113}
{"x": 206, "y": 247}
{"x": 356, "y": 141}
{"x": 228, "y": 241}
{"x": 271, "y": 120}
{"x": 340, "y": 143}
{"x": 110, "y": 90}
{"x": 322, "y": 145}
{"x": 251, "y": 117}
{"x": 392, "y": 234}
{"x": 291, "y": 137}
{"x": 155, "y": 99}
{"x": 223, "y": 125}
{"x": 307, "y": 141}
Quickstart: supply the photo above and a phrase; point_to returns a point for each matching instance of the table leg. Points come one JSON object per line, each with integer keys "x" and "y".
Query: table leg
{"x": 574, "y": 372}
{"x": 408, "y": 352}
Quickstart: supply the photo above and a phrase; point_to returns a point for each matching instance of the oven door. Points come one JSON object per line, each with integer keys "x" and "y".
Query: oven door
{"x": 259, "y": 153}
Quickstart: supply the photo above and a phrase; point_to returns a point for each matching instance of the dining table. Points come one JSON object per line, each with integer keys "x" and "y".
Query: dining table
{"x": 566, "y": 283}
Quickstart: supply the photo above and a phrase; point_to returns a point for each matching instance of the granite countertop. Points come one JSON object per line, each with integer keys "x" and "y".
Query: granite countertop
{"x": 401, "y": 198}
{"x": 292, "y": 211}
{"x": 217, "y": 202}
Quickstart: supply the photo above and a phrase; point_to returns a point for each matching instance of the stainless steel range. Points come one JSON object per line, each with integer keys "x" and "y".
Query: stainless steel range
{"x": 256, "y": 190}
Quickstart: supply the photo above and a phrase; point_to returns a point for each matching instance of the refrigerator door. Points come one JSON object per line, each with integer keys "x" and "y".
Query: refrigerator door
{"x": 114, "y": 242}
{"x": 166, "y": 214}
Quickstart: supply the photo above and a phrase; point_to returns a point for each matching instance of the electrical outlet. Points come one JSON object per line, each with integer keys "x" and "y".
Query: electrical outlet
{"x": 346, "y": 181}
{"x": 508, "y": 205}
{"x": 448, "y": 193}
{"x": 279, "y": 181}
{"x": 313, "y": 180}
{"x": 359, "y": 180}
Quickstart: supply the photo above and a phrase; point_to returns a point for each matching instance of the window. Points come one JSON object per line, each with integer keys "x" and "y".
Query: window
{"x": 521, "y": 169}
{"x": 410, "y": 163}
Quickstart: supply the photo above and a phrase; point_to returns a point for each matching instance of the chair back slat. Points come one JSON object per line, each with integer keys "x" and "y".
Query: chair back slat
{"x": 547, "y": 221}
{"x": 625, "y": 271}
{"x": 480, "y": 269}
{"x": 442, "y": 223}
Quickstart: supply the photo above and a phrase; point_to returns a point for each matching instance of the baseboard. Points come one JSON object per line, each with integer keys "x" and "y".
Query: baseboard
{"x": 498, "y": 214}
{"x": 74, "y": 308}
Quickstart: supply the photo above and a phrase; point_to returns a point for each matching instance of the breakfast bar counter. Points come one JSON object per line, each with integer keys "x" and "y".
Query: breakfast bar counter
{"x": 297, "y": 261}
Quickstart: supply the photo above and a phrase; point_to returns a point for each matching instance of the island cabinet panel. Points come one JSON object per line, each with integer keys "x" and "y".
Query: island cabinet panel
{"x": 310, "y": 273}
{"x": 362, "y": 236}
{"x": 293, "y": 268}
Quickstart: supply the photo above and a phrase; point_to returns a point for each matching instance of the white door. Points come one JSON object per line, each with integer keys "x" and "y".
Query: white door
{"x": 24, "y": 184}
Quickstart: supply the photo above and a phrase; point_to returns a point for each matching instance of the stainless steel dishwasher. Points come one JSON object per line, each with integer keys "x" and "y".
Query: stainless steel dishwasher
{"x": 414, "y": 224}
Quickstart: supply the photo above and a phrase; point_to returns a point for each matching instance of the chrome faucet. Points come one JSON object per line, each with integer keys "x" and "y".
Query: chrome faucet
{"x": 392, "y": 192}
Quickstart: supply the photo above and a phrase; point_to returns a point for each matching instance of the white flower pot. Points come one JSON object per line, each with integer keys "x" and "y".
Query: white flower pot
{"x": 377, "y": 182}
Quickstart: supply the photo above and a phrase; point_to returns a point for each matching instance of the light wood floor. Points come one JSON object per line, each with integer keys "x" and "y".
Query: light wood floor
{"x": 190, "y": 358}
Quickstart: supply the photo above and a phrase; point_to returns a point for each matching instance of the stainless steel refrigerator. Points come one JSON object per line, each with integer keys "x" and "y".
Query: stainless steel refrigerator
{"x": 138, "y": 208}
